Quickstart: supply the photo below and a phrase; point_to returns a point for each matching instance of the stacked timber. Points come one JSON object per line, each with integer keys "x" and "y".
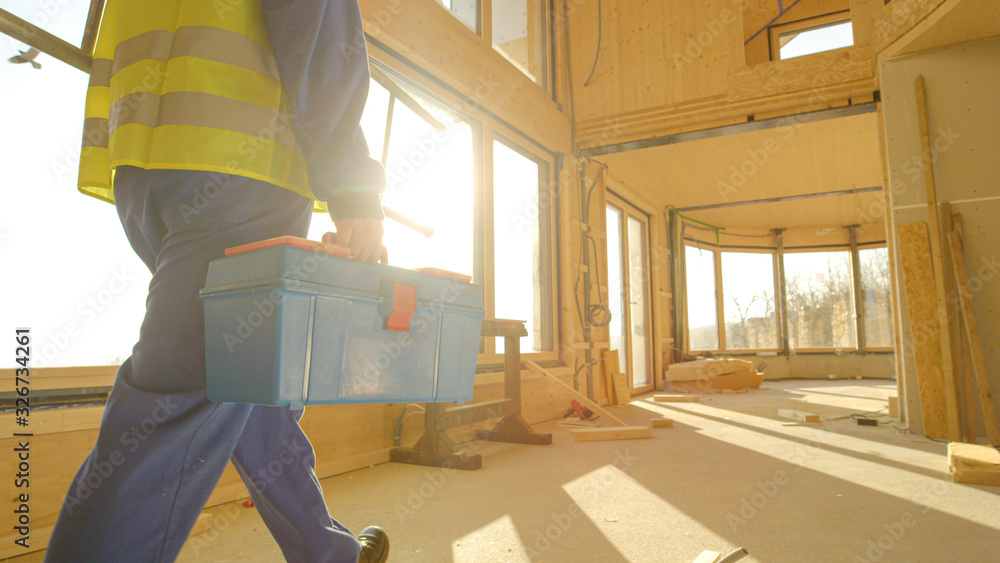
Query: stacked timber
{"x": 713, "y": 375}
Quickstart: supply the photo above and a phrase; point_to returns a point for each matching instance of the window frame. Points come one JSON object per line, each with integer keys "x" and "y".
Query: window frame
{"x": 718, "y": 293}
{"x": 774, "y": 32}
{"x": 720, "y": 300}
{"x": 852, "y": 319}
{"x": 629, "y": 209}
{"x": 486, "y": 128}
{"x": 721, "y": 296}
{"x": 485, "y": 33}
{"x": 491, "y": 132}
{"x": 892, "y": 327}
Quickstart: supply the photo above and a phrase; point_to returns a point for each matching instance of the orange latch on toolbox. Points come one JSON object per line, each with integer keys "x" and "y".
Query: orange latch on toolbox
{"x": 404, "y": 304}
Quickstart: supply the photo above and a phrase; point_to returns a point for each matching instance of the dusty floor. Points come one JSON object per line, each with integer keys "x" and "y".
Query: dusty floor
{"x": 730, "y": 473}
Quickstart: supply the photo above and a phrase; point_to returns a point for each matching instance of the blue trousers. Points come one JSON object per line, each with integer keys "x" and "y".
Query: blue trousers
{"x": 162, "y": 444}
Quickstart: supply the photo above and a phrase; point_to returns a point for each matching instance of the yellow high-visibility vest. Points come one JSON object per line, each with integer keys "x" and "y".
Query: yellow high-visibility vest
{"x": 187, "y": 85}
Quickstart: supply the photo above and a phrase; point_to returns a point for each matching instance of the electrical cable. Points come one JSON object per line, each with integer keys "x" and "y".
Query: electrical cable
{"x": 597, "y": 54}
{"x": 397, "y": 437}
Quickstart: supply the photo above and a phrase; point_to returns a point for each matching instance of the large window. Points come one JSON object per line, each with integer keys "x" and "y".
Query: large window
{"x": 877, "y": 297}
{"x": 702, "y": 314}
{"x": 519, "y": 35}
{"x": 748, "y": 300}
{"x": 467, "y": 11}
{"x": 429, "y": 181}
{"x": 628, "y": 290}
{"x": 520, "y": 244}
{"x": 820, "y": 300}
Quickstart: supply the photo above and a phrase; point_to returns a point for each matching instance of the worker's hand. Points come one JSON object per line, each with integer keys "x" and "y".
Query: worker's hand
{"x": 362, "y": 236}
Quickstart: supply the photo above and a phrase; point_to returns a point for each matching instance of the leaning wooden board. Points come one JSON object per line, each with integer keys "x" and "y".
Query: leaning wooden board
{"x": 921, "y": 305}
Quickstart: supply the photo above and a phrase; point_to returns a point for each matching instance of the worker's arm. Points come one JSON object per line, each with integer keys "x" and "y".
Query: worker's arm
{"x": 320, "y": 52}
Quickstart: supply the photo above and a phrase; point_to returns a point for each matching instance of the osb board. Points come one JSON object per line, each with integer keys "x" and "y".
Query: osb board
{"x": 921, "y": 303}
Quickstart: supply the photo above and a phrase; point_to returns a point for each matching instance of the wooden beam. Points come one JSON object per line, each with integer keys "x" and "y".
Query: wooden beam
{"x": 952, "y": 419}
{"x": 662, "y": 423}
{"x": 611, "y": 433}
{"x": 969, "y": 463}
{"x": 676, "y": 398}
{"x": 800, "y": 416}
{"x": 577, "y": 395}
{"x": 954, "y": 320}
{"x": 794, "y": 75}
{"x": 975, "y": 344}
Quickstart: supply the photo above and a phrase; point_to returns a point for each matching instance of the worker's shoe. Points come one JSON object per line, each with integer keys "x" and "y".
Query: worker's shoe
{"x": 374, "y": 545}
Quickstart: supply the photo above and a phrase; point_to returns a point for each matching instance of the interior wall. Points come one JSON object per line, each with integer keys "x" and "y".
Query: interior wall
{"x": 874, "y": 365}
{"x": 963, "y": 116}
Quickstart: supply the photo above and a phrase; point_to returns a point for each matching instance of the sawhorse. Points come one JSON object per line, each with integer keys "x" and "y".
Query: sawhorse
{"x": 435, "y": 448}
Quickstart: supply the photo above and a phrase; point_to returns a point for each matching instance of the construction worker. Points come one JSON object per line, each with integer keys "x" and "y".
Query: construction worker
{"x": 210, "y": 125}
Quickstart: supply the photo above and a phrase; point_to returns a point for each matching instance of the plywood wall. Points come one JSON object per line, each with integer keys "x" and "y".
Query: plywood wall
{"x": 672, "y": 65}
{"x": 963, "y": 116}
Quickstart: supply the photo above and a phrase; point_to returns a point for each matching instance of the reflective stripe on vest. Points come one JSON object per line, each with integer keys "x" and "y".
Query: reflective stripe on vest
{"x": 187, "y": 85}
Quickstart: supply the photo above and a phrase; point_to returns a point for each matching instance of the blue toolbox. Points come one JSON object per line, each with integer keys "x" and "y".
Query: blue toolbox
{"x": 291, "y": 322}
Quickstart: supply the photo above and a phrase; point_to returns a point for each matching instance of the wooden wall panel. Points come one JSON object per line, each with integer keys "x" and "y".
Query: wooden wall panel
{"x": 653, "y": 53}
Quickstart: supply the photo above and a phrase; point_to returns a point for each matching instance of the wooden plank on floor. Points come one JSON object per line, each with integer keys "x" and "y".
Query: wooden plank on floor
{"x": 974, "y": 464}
{"x": 676, "y": 398}
{"x": 800, "y": 416}
{"x": 921, "y": 305}
{"x": 708, "y": 557}
{"x": 611, "y": 433}
{"x": 662, "y": 423}
{"x": 577, "y": 395}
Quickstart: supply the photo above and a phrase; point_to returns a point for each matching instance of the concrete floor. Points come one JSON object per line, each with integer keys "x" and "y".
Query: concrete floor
{"x": 730, "y": 473}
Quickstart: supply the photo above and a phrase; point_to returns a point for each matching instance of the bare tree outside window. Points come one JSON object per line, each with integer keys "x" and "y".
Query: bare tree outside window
{"x": 820, "y": 300}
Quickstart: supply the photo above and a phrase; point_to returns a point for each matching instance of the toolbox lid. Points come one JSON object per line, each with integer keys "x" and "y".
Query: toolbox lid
{"x": 289, "y": 240}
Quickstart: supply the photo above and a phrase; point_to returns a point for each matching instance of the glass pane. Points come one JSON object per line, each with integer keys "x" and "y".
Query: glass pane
{"x": 638, "y": 301}
{"x": 517, "y": 243}
{"x": 430, "y": 180}
{"x": 820, "y": 302}
{"x": 465, "y": 10}
{"x": 66, "y": 19}
{"x": 616, "y": 301}
{"x": 875, "y": 293}
{"x": 818, "y": 39}
{"x": 518, "y": 34}
{"x": 748, "y": 300}
{"x": 703, "y": 324}
{"x": 82, "y": 296}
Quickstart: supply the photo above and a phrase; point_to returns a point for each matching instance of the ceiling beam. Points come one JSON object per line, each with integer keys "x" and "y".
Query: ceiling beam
{"x": 750, "y": 126}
